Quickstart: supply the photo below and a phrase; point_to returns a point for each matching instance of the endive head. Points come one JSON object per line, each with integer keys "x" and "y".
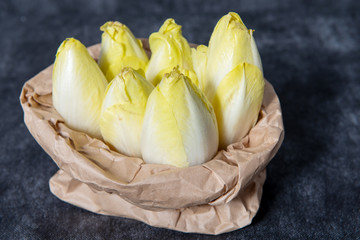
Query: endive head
{"x": 237, "y": 102}
{"x": 123, "y": 111}
{"x": 78, "y": 87}
{"x": 169, "y": 49}
{"x": 179, "y": 125}
{"x": 199, "y": 60}
{"x": 119, "y": 49}
{"x": 231, "y": 43}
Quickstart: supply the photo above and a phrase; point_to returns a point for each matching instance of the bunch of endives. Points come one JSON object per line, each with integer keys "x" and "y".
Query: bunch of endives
{"x": 175, "y": 108}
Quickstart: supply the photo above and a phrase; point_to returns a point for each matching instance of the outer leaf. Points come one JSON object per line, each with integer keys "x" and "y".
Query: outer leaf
{"x": 123, "y": 111}
{"x": 179, "y": 125}
{"x": 78, "y": 87}
{"x": 237, "y": 102}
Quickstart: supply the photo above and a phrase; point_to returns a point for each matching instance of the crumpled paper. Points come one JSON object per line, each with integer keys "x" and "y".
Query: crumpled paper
{"x": 216, "y": 197}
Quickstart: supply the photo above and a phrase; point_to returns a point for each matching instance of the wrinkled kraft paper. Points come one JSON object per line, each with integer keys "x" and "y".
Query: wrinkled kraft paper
{"x": 216, "y": 197}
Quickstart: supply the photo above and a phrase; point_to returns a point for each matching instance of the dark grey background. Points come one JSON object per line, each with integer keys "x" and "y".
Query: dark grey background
{"x": 310, "y": 53}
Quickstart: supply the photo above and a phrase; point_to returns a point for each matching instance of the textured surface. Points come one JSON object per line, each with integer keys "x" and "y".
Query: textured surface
{"x": 311, "y": 54}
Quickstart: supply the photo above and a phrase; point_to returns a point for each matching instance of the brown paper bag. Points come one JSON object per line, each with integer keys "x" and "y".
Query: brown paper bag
{"x": 219, "y": 196}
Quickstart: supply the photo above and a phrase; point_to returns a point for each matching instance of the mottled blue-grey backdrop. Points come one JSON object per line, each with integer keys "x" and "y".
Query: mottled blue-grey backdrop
{"x": 310, "y": 52}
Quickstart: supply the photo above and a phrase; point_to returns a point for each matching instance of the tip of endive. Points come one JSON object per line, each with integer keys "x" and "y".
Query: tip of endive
{"x": 169, "y": 49}
{"x": 111, "y": 25}
{"x": 172, "y": 77}
{"x": 131, "y": 87}
{"x": 67, "y": 44}
{"x": 170, "y": 26}
{"x": 234, "y": 19}
{"x": 120, "y": 48}
{"x": 113, "y": 28}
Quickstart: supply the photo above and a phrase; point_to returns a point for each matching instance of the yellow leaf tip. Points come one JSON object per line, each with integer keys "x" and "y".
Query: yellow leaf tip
{"x": 170, "y": 26}
{"x": 111, "y": 24}
{"x": 68, "y": 43}
{"x": 174, "y": 76}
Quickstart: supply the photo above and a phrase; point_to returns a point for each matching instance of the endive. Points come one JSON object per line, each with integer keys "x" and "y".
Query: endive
{"x": 119, "y": 49}
{"x": 231, "y": 43}
{"x": 199, "y": 60}
{"x": 78, "y": 87}
{"x": 169, "y": 49}
{"x": 237, "y": 102}
{"x": 123, "y": 111}
{"x": 179, "y": 125}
